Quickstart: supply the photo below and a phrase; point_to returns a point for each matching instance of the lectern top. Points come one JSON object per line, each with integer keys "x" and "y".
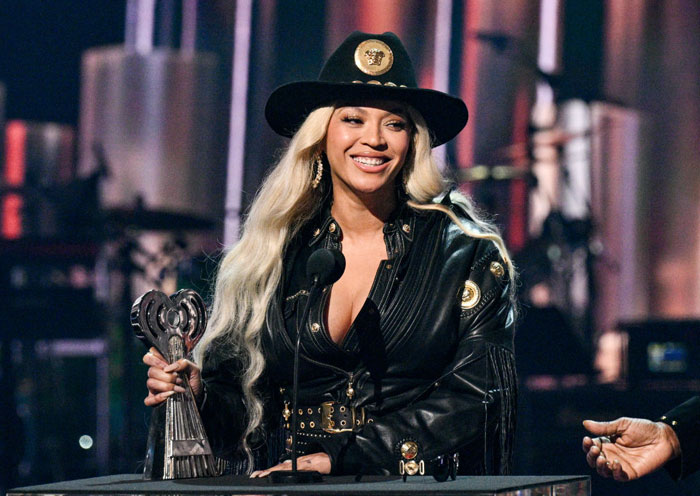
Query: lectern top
{"x": 133, "y": 484}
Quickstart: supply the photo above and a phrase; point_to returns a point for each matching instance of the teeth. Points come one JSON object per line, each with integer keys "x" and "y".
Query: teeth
{"x": 369, "y": 160}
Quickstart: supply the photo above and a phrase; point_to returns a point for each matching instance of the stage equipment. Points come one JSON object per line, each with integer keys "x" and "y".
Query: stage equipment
{"x": 38, "y": 165}
{"x": 661, "y": 354}
{"x": 493, "y": 173}
{"x": 174, "y": 325}
{"x": 157, "y": 119}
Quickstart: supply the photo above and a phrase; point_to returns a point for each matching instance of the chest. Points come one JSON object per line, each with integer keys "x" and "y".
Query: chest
{"x": 350, "y": 292}
{"x": 392, "y": 315}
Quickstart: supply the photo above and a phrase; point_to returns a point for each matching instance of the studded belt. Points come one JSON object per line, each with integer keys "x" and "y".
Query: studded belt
{"x": 323, "y": 421}
{"x": 329, "y": 417}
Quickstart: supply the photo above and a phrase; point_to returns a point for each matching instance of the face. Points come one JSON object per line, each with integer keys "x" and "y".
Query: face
{"x": 366, "y": 147}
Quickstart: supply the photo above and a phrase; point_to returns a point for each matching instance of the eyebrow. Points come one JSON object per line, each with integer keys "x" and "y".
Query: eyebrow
{"x": 395, "y": 110}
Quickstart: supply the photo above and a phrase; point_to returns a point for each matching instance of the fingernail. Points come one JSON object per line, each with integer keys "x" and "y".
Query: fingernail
{"x": 170, "y": 367}
{"x": 168, "y": 393}
{"x": 178, "y": 389}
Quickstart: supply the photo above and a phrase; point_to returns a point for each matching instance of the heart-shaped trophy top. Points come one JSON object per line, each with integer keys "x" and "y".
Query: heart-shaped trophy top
{"x": 157, "y": 318}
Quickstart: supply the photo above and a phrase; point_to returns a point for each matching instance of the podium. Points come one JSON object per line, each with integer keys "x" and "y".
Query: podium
{"x": 133, "y": 484}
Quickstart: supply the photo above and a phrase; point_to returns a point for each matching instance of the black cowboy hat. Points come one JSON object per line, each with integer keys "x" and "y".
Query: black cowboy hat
{"x": 366, "y": 67}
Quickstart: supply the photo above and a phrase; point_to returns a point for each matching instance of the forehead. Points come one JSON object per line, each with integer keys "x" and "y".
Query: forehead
{"x": 391, "y": 106}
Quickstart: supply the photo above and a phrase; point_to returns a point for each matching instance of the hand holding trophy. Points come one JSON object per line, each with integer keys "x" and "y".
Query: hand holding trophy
{"x": 177, "y": 444}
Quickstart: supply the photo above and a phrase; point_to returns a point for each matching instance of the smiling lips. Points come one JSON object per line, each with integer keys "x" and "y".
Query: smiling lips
{"x": 370, "y": 164}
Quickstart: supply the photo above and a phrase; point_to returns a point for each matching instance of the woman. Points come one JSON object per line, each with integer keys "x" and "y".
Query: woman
{"x": 407, "y": 360}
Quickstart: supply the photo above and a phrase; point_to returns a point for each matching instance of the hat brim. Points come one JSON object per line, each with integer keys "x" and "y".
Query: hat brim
{"x": 291, "y": 103}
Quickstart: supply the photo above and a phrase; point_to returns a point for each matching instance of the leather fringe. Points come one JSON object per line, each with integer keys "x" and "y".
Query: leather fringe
{"x": 503, "y": 367}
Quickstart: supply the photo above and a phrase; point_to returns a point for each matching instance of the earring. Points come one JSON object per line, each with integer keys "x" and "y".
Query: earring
{"x": 319, "y": 171}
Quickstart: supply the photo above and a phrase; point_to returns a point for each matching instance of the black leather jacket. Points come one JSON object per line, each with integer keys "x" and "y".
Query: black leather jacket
{"x": 429, "y": 356}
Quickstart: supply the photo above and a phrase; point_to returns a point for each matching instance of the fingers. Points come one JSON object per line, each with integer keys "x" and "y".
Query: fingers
{"x": 603, "y": 466}
{"x": 159, "y": 380}
{"x": 603, "y": 428}
{"x": 157, "y": 399}
{"x": 305, "y": 462}
{"x": 182, "y": 365}
{"x": 159, "y": 391}
{"x": 285, "y": 465}
{"x": 156, "y": 386}
{"x": 163, "y": 380}
{"x": 617, "y": 472}
{"x": 154, "y": 359}
{"x": 592, "y": 456}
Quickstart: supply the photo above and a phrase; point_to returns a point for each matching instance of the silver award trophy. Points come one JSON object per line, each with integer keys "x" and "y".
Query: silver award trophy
{"x": 177, "y": 443}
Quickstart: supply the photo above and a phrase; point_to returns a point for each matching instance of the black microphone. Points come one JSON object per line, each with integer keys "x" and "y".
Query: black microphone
{"x": 324, "y": 267}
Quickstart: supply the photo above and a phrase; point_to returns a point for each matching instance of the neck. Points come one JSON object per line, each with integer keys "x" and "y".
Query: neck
{"x": 363, "y": 215}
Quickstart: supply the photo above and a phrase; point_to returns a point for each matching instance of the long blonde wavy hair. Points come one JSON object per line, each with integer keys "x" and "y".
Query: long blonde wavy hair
{"x": 250, "y": 271}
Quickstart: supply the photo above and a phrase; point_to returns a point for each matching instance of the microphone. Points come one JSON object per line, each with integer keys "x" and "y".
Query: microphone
{"x": 324, "y": 267}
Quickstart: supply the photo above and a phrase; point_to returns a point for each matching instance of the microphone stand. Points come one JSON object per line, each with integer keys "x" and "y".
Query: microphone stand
{"x": 294, "y": 475}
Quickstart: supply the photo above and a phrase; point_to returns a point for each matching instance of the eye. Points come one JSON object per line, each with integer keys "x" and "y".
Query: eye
{"x": 397, "y": 125}
{"x": 351, "y": 119}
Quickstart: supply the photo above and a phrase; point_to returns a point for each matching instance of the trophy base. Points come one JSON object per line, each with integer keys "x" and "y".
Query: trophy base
{"x": 295, "y": 477}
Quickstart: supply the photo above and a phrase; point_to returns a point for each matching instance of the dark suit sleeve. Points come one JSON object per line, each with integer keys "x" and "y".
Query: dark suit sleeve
{"x": 685, "y": 421}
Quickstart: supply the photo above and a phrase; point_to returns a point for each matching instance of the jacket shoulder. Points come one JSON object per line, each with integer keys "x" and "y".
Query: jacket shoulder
{"x": 461, "y": 229}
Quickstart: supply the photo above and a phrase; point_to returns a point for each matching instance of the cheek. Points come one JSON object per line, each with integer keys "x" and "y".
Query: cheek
{"x": 402, "y": 146}
{"x": 335, "y": 148}
{"x": 338, "y": 138}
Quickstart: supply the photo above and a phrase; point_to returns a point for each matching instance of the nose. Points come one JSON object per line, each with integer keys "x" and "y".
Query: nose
{"x": 374, "y": 136}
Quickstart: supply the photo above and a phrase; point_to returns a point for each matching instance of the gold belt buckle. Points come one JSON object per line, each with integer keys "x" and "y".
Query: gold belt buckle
{"x": 327, "y": 422}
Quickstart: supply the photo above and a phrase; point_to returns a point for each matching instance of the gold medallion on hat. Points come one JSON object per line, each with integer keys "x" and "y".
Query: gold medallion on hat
{"x": 374, "y": 57}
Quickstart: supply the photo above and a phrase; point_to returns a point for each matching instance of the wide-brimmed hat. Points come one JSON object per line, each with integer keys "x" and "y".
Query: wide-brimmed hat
{"x": 366, "y": 67}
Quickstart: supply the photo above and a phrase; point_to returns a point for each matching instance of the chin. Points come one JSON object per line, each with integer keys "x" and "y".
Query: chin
{"x": 369, "y": 191}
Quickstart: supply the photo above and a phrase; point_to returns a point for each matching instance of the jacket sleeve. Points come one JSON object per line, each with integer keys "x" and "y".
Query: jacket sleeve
{"x": 685, "y": 421}
{"x": 222, "y": 408}
{"x": 472, "y": 401}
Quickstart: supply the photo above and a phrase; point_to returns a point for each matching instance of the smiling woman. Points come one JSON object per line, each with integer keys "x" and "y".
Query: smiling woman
{"x": 366, "y": 148}
{"x": 407, "y": 360}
